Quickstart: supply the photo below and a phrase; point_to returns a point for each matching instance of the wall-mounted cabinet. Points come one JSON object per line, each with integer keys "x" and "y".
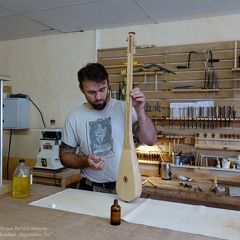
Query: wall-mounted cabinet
{"x": 16, "y": 113}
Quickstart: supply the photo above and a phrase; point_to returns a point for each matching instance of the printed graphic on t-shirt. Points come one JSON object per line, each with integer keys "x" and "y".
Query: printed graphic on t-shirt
{"x": 100, "y": 136}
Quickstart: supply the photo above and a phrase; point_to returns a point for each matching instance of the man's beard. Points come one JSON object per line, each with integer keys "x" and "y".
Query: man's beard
{"x": 99, "y": 106}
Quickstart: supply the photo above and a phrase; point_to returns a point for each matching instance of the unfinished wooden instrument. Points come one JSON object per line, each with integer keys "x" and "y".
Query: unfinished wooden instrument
{"x": 129, "y": 184}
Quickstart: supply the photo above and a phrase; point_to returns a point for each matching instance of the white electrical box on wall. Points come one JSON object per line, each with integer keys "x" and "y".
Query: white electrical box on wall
{"x": 15, "y": 113}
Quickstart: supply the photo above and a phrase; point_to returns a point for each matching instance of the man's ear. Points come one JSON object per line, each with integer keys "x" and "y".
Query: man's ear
{"x": 81, "y": 89}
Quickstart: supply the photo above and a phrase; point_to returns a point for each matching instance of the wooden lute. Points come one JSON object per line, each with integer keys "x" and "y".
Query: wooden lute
{"x": 129, "y": 183}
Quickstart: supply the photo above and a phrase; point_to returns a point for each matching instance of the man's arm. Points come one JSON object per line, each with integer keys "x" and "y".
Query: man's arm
{"x": 145, "y": 129}
{"x": 70, "y": 159}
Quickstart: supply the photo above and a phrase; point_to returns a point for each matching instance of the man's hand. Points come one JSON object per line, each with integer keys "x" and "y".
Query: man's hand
{"x": 147, "y": 132}
{"x": 138, "y": 99}
{"x": 95, "y": 162}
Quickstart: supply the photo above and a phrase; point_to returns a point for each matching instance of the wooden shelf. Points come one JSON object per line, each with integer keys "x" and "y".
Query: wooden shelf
{"x": 194, "y": 90}
{"x": 199, "y": 169}
{"x": 124, "y": 65}
{"x": 155, "y": 114}
{"x": 5, "y": 77}
{"x": 216, "y": 147}
{"x": 145, "y": 73}
{"x": 236, "y": 69}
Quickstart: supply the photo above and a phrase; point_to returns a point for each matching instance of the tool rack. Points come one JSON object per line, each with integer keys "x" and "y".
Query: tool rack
{"x": 201, "y": 123}
{"x": 223, "y": 141}
{"x": 202, "y": 72}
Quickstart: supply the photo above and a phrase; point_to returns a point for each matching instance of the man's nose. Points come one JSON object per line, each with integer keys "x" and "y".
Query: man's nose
{"x": 98, "y": 95}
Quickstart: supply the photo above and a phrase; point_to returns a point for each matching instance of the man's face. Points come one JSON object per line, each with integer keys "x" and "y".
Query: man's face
{"x": 96, "y": 94}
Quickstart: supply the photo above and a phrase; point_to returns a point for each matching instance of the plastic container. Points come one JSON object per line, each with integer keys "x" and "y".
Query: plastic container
{"x": 21, "y": 181}
{"x": 226, "y": 163}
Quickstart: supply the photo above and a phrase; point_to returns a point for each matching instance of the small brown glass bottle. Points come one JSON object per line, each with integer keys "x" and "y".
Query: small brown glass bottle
{"x": 115, "y": 213}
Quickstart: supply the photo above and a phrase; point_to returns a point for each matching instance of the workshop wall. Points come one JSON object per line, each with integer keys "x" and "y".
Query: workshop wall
{"x": 45, "y": 67}
{"x": 185, "y": 74}
{"x": 216, "y": 29}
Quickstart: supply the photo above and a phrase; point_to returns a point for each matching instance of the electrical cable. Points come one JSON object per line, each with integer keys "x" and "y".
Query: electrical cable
{"x": 8, "y": 158}
{"x": 39, "y": 111}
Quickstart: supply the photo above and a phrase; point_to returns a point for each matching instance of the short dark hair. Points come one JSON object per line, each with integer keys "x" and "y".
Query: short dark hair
{"x": 93, "y": 72}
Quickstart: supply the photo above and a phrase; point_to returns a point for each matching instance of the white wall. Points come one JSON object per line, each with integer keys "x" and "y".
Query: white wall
{"x": 218, "y": 29}
{"x": 46, "y": 68}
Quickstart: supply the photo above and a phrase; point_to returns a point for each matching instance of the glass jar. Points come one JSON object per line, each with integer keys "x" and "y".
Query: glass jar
{"x": 21, "y": 181}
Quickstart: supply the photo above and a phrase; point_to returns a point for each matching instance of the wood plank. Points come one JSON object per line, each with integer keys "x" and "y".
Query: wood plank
{"x": 190, "y": 90}
{"x": 121, "y": 52}
{"x": 173, "y": 189}
{"x": 174, "y": 60}
{"x": 202, "y": 95}
{"x": 161, "y": 85}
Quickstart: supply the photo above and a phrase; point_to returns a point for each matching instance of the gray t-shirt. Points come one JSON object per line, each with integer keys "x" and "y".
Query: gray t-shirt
{"x": 99, "y": 132}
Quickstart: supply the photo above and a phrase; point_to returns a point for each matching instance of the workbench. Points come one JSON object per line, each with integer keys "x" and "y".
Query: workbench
{"x": 199, "y": 193}
{"x": 64, "y": 178}
{"x": 22, "y": 221}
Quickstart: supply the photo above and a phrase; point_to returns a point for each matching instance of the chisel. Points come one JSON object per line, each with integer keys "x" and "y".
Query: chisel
{"x": 180, "y": 115}
{"x": 184, "y": 121}
{"x": 225, "y": 115}
{"x": 230, "y": 116}
{"x": 196, "y": 116}
{"x": 221, "y": 115}
{"x": 212, "y": 112}
{"x": 234, "y": 116}
{"x": 192, "y": 113}
{"x": 169, "y": 118}
{"x": 204, "y": 126}
{"x": 200, "y": 117}
{"x": 216, "y": 115}
{"x": 208, "y": 115}
{"x": 172, "y": 116}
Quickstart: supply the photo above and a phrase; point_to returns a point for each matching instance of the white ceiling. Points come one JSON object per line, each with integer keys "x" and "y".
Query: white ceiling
{"x": 32, "y": 18}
